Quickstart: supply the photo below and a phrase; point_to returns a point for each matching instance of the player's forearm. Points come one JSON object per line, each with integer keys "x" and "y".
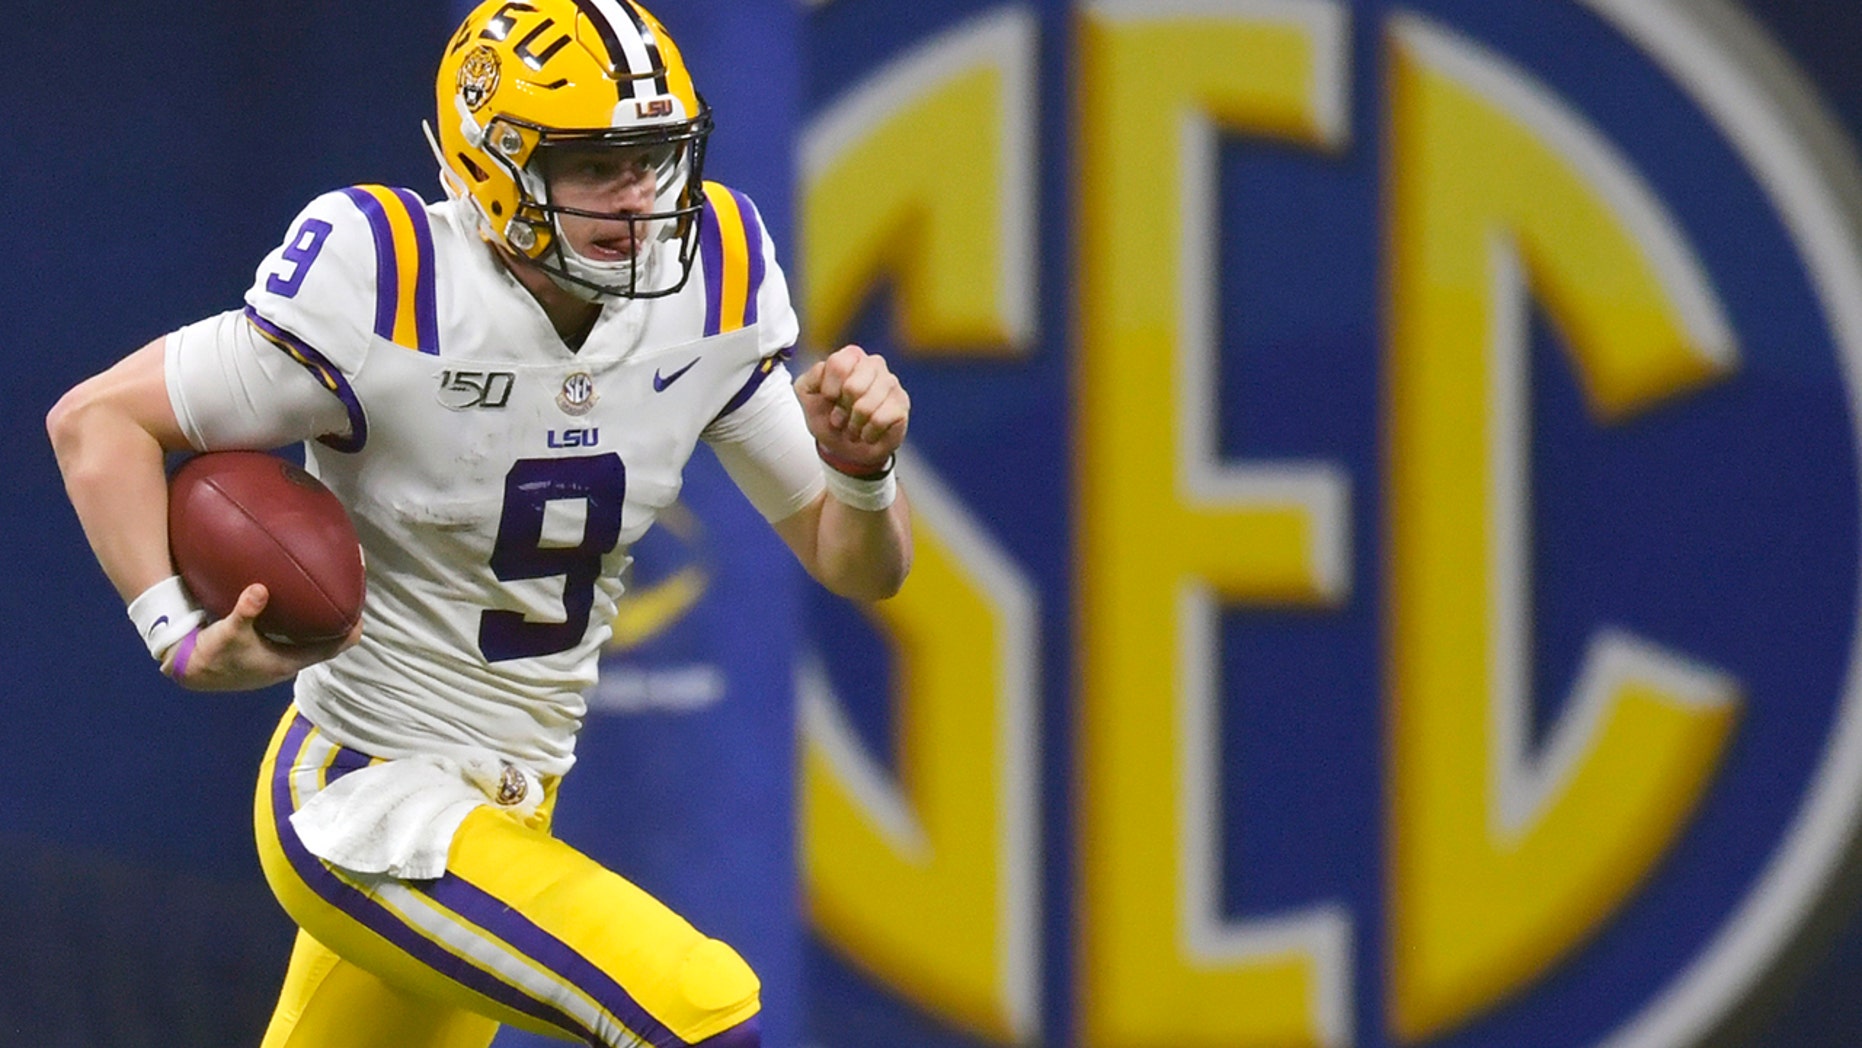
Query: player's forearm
{"x": 862, "y": 554}
{"x": 112, "y": 466}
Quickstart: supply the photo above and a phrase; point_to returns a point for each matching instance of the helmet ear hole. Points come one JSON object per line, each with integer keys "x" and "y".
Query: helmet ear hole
{"x": 478, "y": 173}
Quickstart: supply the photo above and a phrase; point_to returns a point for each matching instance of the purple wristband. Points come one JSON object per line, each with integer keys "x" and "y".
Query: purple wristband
{"x": 184, "y": 650}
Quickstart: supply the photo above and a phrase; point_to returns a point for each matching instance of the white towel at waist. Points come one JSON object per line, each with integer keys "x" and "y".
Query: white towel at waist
{"x": 399, "y": 817}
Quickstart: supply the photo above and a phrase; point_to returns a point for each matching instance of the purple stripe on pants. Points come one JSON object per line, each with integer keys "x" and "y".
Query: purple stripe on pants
{"x": 746, "y": 1034}
{"x": 496, "y": 916}
{"x": 346, "y": 761}
{"x": 378, "y": 919}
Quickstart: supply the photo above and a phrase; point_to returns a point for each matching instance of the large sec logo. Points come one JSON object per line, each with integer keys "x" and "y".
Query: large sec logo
{"x": 1451, "y": 636}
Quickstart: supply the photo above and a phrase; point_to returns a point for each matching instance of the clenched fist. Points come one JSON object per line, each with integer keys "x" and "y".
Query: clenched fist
{"x": 856, "y": 409}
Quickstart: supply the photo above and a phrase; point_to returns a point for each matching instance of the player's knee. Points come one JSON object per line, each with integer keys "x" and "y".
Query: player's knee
{"x": 715, "y": 981}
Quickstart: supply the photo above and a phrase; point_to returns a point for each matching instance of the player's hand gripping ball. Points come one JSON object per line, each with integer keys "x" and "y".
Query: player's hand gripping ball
{"x": 240, "y": 517}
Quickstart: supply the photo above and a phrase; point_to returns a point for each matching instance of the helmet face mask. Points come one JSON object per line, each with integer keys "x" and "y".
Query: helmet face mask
{"x": 540, "y": 92}
{"x": 671, "y": 158}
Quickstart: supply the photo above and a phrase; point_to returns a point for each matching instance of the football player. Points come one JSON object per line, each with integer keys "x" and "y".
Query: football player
{"x": 503, "y": 388}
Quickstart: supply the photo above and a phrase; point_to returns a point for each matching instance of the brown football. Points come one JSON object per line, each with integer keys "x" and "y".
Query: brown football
{"x": 239, "y": 517}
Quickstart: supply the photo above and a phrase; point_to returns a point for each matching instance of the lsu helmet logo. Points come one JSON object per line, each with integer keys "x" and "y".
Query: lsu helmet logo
{"x": 1457, "y": 629}
{"x": 478, "y": 77}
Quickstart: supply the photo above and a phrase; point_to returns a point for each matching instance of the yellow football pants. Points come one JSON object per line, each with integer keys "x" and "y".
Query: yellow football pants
{"x": 521, "y": 929}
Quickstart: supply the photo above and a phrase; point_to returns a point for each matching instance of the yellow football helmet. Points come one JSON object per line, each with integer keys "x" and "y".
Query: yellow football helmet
{"x": 523, "y": 77}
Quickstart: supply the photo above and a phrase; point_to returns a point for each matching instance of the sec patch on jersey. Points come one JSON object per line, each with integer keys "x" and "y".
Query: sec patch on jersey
{"x": 240, "y": 517}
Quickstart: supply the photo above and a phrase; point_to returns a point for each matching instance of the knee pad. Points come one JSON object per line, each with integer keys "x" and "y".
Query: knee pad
{"x": 714, "y": 980}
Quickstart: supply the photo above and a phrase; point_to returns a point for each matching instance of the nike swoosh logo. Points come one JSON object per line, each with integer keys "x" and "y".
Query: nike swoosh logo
{"x": 158, "y": 624}
{"x": 660, "y": 382}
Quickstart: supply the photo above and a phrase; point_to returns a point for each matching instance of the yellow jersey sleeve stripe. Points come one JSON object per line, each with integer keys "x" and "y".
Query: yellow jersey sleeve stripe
{"x": 406, "y": 310}
{"x": 731, "y": 250}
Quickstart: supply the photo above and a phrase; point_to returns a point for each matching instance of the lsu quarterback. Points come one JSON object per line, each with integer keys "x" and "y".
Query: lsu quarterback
{"x": 503, "y": 388}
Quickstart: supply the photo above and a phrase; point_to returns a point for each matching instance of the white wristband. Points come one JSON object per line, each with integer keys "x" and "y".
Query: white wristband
{"x": 164, "y": 613}
{"x": 872, "y": 494}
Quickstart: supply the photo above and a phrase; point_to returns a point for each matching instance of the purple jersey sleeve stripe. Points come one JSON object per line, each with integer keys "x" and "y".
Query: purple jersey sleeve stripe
{"x": 387, "y": 288}
{"x": 501, "y": 919}
{"x": 763, "y": 371}
{"x": 326, "y": 373}
{"x": 426, "y": 311}
{"x": 345, "y": 897}
{"x": 711, "y": 260}
{"x": 753, "y": 242}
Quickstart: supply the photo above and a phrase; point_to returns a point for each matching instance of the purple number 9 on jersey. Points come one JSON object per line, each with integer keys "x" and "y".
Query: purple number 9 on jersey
{"x": 300, "y": 252}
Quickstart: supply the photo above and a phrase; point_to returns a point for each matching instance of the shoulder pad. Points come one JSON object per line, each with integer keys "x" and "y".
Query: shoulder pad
{"x": 731, "y": 255}
{"x": 357, "y": 264}
{"x": 744, "y": 285}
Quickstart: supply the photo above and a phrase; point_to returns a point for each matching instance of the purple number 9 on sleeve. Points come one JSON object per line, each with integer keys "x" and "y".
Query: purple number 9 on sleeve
{"x": 300, "y": 252}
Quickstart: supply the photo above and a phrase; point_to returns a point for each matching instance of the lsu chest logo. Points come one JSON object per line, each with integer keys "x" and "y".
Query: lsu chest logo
{"x": 1491, "y": 371}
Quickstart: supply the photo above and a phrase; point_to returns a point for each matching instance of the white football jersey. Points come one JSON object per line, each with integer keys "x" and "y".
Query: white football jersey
{"x": 496, "y": 477}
